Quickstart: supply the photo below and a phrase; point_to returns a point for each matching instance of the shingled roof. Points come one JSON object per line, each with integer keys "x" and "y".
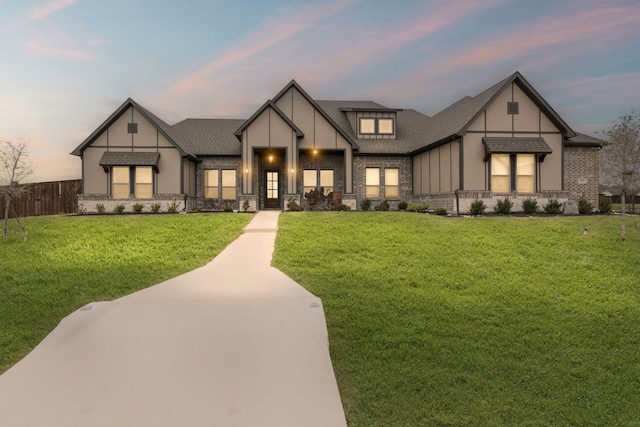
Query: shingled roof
{"x": 209, "y": 136}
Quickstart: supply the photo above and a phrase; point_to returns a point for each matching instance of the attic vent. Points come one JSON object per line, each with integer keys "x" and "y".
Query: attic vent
{"x": 132, "y": 128}
{"x": 512, "y": 108}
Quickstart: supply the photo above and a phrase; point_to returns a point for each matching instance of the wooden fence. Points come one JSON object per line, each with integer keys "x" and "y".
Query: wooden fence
{"x": 46, "y": 198}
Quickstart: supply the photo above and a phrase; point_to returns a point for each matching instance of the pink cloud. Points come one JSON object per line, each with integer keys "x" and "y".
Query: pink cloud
{"x": 37, "y": 49}
{"x": 49, "y": 8}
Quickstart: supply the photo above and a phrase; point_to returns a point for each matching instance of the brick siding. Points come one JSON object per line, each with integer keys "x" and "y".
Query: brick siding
{"x": 405, "y": 166}
{"x": 581, "y": 173}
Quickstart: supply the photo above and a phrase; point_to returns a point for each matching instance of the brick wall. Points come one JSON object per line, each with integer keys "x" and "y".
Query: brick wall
{"x": 405, "y": 166}
{"x": 215, "y": 163}
{"x": 581, "y": 173}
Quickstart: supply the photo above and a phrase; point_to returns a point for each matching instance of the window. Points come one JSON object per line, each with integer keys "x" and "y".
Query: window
{"x": 525, "y": 173}
{"x": 144, "y": 182}
{"x": 391, "y": 189}
{"x": 519, "y": 166}
{"x": 326, "y": 181}
{"x": 309, "y": 180}
{"x": 367, "y": 126}
{"x": 120, "y": 182}
{"x": 311, "y": 177}
{"x": 372, "y": 126}
{"x": 229, "y": 184}
{"x": 372, "y": 183}
{"x": 500, "y": 176}
{"x": 385, "y": 126}
{"x": 211, "y": 184}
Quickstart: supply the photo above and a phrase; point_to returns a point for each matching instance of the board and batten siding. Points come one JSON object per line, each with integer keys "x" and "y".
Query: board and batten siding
{"x": 116, "y": 138}
{"x": 319, "y": 134}
{"x": 437, "y": 170}
{"x": 495, "y": 122}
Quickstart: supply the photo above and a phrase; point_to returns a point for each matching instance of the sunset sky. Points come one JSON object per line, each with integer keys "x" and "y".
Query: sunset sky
{"x": 68, "y": 64}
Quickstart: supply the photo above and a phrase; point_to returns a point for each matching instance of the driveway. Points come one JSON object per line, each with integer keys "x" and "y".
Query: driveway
{"x": 235, "y": 343}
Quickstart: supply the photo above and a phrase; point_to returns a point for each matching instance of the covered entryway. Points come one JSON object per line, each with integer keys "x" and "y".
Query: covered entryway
{"x": 272, "y": 196}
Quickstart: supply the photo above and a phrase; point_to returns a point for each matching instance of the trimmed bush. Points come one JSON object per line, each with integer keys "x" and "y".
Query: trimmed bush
{"x": 530, "y": 206}
{"x": 503, "y": 206}
{"x": 100, "y": 208}
{"x": 418, "y": 207}
{"x": 365, "y": 205}
{"x": 137, "y": 208}
{"x": 584, "y": 207}
{"x": 382, "y": 206}
{"x": 553, "y": 207}
{"x": 402, "y": 206}
{"x": 293, "y": 206}
{"x": 340, "y": 207}
{"x": 155, "y": 208}
{"x": 440, "y": 211}
{"x": 119, "y": 208}
{"x": 172, "y": 207}
{"x": 606, "y": 207}
{"x": 477, "y": 207}
{"x": 228, "y": 208}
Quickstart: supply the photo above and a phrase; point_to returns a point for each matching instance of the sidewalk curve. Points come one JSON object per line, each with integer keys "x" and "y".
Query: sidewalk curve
{"x": 234, "y": 343}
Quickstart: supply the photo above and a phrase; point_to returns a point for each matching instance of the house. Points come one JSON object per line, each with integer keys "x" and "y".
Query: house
{"x": 505, "y": 141}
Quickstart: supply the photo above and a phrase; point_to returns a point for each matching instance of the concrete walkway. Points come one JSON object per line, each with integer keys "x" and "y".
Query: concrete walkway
{"x": 235, "y": 343}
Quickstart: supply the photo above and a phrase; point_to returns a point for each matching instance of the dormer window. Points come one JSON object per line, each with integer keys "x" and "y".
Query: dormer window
{"x": 368, "y": 126}
{"x": 376, "y": 126}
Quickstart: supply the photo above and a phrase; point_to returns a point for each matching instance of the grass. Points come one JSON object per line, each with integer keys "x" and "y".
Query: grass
{"x": 474, "y": 321}
{"x": 68, "y": 262}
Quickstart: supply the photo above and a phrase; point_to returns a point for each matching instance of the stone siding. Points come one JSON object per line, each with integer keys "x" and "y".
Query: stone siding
{"x": 89, "y": 202}
{"x": 581, "y": 173}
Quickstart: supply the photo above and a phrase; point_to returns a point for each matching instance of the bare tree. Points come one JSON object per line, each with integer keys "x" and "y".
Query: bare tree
{"x": 620, "y": 159}
{"x": 14, "y": 169}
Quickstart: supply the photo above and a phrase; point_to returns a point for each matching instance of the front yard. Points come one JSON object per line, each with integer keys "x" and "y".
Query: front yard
{"x": 71, "y": 261}
{"x": 474, "y": 321}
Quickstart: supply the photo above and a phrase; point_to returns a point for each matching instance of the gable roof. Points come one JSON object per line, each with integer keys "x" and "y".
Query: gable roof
{"x": 272, "y": 105}
{"x": 454, "y": 120}
{"x": 158, "y": 123}
{"x": 327, "y": 117}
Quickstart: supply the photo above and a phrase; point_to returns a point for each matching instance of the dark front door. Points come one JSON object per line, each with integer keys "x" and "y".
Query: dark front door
{"x": 272, "y": 200}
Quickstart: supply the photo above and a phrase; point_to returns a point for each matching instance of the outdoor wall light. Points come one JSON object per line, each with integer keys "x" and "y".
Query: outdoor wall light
{"x": 292, "y": 170}
{"x": 315, "y": 152}
{"x": 270, "y": 158}
{"x": 246, "y": 171}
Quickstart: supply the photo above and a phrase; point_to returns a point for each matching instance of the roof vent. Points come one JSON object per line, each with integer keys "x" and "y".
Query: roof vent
{"x": 132, "y": 127}
{"x": 512, "y": 108}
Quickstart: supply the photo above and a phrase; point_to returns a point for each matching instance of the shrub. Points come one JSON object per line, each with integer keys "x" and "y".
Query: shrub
{"x": 197, "y": 209}
{"x": 100, "y": 208}
{"x": 503, "y": 206}
{"x": 137, "y": 208}
{"x": 382, "y": 206}
{"x": 553, "y": 207}
{"x": 81, "y": 209}
{"x": 477, "y": 207}
{"x": 365, "y": 205}
{"x": 155, "y": 208}
{"x": 440, "y": 211}
{"x": 418, "y": 207}
{"x": 340, "y": 207}
{"x": 119, "y": 208}
{"x": 402, "y": 206}
{"x": 530, "y": 206}
{"x": 228, "y": 208}
{"x": 606, "y": 207}
{"x": 584, "y": 207}
{"x": 293, "y": 206}
{"x": 173, "y": 206}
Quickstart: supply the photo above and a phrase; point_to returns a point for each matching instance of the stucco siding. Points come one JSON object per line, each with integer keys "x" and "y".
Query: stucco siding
{"x": 528, "y": 116}
{"x": 258, "y": 131}
{"x": 551, "y": 168}
{"x": 96, "y": 181}
{"x": 147, "y": 135}
{"x": 474, "y": 165}
{"x": 497, "y": 117}
{"x": 168, "y": 180}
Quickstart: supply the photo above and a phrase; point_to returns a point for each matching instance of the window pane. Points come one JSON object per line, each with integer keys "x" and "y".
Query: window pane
{"x": 525, "y": 184}
{"x": 120, "y": 174}
{"x": 500, "y": 184}
{"x": 525, "y": 164}
{"x": 367, "y": 125}
{"x": 385, "y": 126}
{"x": 121, "y": 191}
{"x": 326, "y": 181}
{"x": 229, "y": 193}
{"x": 309, "y": 178}
{"x": 391, "y": 176}
{"x": 211, "y": 192}
{"x": 372, "y": 176}
{"x": 144, "y": 191}
{"x": 372, "y": 191}
{"x": 229, "y": 178}
{"x": 144, "y": 175}
{"x": 499, "y": 164}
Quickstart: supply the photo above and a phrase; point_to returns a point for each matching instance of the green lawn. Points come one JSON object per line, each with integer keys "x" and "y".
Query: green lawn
{"x": 474, "y": 321}
{"x": 68, "y": 262}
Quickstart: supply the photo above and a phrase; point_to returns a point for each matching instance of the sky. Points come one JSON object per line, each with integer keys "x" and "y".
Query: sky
{"x": 67, "y": 65}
